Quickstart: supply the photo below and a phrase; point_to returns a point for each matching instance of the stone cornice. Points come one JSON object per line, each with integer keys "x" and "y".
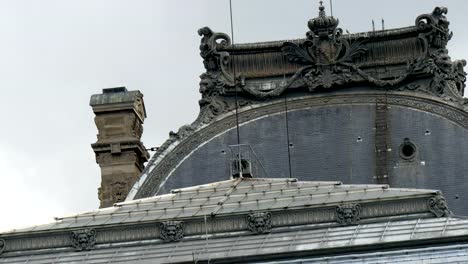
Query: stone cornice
{"x": 324, "y": 216}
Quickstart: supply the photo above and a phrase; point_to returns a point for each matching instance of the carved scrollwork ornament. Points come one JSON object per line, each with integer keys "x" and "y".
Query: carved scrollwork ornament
{"x": 434, "y": 29}
{"x": 438, "y": 206}
{"x": 348, "y": 214}
{"x": 259, "y": 223}
{"x": 171, "y": 231}
{"x": 84, "y": 239}
{"x": 214, "y": 60}
{"x": 2, "y": 245}
{"x": 328, "y": 57}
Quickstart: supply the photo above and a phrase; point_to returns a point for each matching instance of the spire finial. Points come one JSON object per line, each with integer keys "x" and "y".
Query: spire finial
{"x": 321, "y": 9}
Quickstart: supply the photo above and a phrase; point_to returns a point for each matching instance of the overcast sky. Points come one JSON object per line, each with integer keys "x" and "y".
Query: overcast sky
{"x": 55, "y": 54}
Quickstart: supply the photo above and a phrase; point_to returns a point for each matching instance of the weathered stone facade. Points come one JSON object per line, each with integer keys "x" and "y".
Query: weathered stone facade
{"x": 119, "y": 151}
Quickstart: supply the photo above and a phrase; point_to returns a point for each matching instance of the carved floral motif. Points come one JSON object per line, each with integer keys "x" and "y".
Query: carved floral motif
{"x": 171, "y": 231}
{"x": 348, "y": 214}
{"x": 83, "y": 239}
{"x": 259, "y": 222}
{"x": 328, "y": 59}
{"x": 438, "y": 206}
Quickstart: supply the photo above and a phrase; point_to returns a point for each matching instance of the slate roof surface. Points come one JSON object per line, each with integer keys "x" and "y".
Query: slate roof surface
{"x": 241, "y": 245}
{"x": 456, "y": 254}
{"x": 230, "y": 197}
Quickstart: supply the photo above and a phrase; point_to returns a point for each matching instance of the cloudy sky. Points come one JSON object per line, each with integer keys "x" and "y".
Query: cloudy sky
{"x": 55, "y": 54}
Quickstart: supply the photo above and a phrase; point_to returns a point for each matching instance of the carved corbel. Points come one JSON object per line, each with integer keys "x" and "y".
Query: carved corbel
{"x": 348, "y": 214}
{"x": 259, "y": 223}
{"x": 171, "y": 231}
{"x": 438, "y": 206}
{"x": 83, "y": 239}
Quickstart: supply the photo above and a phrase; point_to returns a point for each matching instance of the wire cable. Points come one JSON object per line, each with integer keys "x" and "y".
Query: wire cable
{"x": 234, "y": 74}
{"x": 286, "y": 119}
{"x": 239, "y": 155}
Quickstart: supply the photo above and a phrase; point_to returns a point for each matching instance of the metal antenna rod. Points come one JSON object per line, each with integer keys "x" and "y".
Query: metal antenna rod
{"x": 288, "y": 144}
{"x": 383, "y": 24}
{"x": 331, "y": 7}
{"x": 239, "y": 156}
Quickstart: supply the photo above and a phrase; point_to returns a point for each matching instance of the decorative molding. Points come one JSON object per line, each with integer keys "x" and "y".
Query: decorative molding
{"x": 171, "y": 231}
{"x": 438, "y": 206}
{"x": 348, "y": 214}
{"x": 223, "y": 224}
{"x": 259, "y": 223}
{"x": 84, "y": 239}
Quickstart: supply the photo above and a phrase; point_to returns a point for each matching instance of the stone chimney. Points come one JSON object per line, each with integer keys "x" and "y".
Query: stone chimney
{"x": 119, "y": 151}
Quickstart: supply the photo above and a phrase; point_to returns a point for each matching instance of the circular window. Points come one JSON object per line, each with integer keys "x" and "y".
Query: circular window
{"x": 408, "y": 149}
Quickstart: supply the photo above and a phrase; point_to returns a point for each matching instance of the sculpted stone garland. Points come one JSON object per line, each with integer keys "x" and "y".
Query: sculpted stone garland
{"x": 328, "y": 59}
{"x": 83, "y": 239}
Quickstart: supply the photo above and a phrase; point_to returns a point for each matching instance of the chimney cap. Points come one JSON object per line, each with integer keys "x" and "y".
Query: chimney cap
{"x": 121, "y": 89}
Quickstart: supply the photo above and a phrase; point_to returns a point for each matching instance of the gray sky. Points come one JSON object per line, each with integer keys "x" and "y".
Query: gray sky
{"x": 55, "y": 54}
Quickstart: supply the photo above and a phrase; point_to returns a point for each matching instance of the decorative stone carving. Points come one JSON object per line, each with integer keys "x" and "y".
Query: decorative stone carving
{"x": 119, "y": 191}
{"x": 171, "y": 231}
{"x": 83, "y": 239}
{"x": 434, "y": 28}
{"x": 328, "y": 56}
{"x": 438, "y": 206}
{"x": 2, "y": 245}
{"x": 329, "y": 60}
{"x": 217, "y": 79}
{"x": 447, "y": 78}
{"x": 211, "y": 104}
{"x": 259, "y": 223}
{"x": 348, "y": 214}
{"x": 459, "y": 75}
{"x": 211, "y": 42}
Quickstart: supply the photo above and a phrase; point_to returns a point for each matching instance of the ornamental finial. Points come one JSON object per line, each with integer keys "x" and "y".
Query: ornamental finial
{"x": 323, "y": 25}
{"x": 321, "y": 9}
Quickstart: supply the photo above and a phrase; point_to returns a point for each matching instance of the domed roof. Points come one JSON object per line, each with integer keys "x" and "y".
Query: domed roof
{"x": 373, "y": 107}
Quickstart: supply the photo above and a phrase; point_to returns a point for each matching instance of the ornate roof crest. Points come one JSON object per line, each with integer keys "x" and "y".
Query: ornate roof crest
{"x": 435, "y": 28}
{"x": 322, "y": 26}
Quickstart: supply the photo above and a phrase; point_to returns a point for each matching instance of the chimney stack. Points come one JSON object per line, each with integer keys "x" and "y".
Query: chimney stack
{"x": 119, "y": 150}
